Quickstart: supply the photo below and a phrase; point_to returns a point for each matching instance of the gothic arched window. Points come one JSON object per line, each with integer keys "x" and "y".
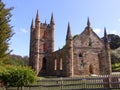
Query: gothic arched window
{"x": 55, "y": 64}
{"x": 89, "y": 42}
{"x": 61, "y": 67}
{"x": 44, "y": 47}
{"x": 80, "y": 55}
{"x": 44, "y": 34}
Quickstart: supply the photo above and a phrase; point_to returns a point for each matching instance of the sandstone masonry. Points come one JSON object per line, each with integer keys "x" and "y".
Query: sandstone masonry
{"x": 83, "y": 55}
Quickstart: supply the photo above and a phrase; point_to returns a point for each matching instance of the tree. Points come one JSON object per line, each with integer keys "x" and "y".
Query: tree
{"x": 114, "y": 41}
{"x": 17, "y": 60}
{"x": 5, "y": 30}
{"x": 115, "y": 56}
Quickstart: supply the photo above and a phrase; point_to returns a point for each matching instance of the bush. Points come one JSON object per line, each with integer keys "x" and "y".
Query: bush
{"x": 17, "y": 75}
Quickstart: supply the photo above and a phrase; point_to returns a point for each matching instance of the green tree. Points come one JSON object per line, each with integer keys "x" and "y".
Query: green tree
{"x": 16, "y": 60}
{"x": 115, "y": 56}
{"x": 114, "y": 41}
{"x": 5, "y": 30}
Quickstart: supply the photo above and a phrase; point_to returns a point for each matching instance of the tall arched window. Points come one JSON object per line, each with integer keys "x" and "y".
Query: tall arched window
{"x": 80, "y": 61}
{"x": 80, "y": 55}
{"x": 89, "y": 42}
{"x": 55, "y": 64}
{"x": 91, "y": 69}
{"x": 44, "y": 34}
{"x": 61, "y": 66}
{"x": 44, "y": 47}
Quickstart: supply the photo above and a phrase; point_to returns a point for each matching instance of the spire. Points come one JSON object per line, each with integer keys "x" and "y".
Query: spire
{"x": 105, "y": 36}
{"x": 88, "y": 22}
{"x": 106, "y": 42}
{"x": 37, "y": 16}
{"x": 32, "y": 23}
{"x": 52, "y": 19}
{"x": 45, "y": 22}
{"x": 105, "y": 33}
{"x": 68, "y": 36}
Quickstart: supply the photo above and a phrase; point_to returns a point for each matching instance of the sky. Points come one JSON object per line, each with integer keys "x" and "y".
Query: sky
{"x": 101, "y": 13}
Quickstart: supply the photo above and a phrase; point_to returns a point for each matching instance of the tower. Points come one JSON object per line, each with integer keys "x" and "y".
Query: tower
{"x": 31, "y": 39}
{"x": 69, "y": 47}
{"x": 52, "y": 23}
{"x": 41, "y": 43}
{"x": 34, "y": 44}
{"x": 107, "y": 52}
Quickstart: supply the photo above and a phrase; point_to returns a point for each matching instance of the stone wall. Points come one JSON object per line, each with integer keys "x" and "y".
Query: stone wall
{"x": 57, "y": 63}
{"x": 85, "y": 54}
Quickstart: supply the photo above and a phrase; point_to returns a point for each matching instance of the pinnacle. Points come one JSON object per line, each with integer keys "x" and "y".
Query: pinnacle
{"x": 37, "y": 16}
{"x": 68, "y": 36}
{"x": 105, "y": 33}
{"x": 105, "y": 36}
{"x": 32, "y": 23}
{"x": 105, "y": 30}
{"x": 52, "y": 19}
{"x": 88, "y": 22}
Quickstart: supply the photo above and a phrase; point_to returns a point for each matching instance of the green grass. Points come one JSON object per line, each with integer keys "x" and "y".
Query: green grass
{"x": 116, "y": 67}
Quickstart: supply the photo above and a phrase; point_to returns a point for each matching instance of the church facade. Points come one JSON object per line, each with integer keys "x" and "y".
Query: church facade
{"x": 82, "y": 55}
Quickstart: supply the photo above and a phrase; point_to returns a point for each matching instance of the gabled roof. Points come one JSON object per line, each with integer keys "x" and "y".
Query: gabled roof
{"x": 88, "y": 36}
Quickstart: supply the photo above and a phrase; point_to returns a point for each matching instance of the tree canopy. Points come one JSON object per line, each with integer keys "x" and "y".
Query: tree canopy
{"x": 5, "y": 30}
{"x": 114, "y": 41}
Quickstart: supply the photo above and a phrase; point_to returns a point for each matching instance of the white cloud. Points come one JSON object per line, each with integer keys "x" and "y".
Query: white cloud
{"x": 23, "y": 30}
{"x": 97, "y": 30}
{"x": 118, "y": 19}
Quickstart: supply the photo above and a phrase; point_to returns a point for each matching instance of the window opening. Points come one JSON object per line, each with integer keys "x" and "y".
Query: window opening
{"x": 44, "y": 64}
{"x": 61, "y": 64}
{"x": 55, "y": 64}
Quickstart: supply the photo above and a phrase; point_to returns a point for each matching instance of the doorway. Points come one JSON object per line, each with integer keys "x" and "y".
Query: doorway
{"x": 91, "y": 69}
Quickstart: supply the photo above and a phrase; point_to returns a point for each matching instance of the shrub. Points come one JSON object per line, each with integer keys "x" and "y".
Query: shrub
{"x": 17, "y": 75}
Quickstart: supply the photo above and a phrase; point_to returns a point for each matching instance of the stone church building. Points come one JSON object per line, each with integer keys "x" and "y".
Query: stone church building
{"x": 82, "y": 55}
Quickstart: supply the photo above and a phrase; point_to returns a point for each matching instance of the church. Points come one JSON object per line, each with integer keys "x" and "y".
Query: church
{"x": 84, "y": 54}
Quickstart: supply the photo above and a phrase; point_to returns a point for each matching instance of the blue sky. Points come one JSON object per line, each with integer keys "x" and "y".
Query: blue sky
{"x": 102, "y": 13}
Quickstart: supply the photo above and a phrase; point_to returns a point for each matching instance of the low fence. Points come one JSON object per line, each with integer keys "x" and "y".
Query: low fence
{"x": 106, "y": 82}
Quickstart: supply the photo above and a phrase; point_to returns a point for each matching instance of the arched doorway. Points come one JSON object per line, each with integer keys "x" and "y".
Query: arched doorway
{"x": 44, "y": 63}
{"x": 91, "y": 69}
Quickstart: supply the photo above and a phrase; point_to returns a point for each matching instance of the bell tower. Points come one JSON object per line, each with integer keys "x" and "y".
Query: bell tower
{"x": 41, "y": 43}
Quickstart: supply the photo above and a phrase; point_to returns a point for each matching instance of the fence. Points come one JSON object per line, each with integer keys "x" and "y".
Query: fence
{"x": 106, "y": 82}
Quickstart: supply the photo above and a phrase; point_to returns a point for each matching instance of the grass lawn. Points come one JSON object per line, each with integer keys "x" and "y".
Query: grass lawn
{"x": 116, "y": 67}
